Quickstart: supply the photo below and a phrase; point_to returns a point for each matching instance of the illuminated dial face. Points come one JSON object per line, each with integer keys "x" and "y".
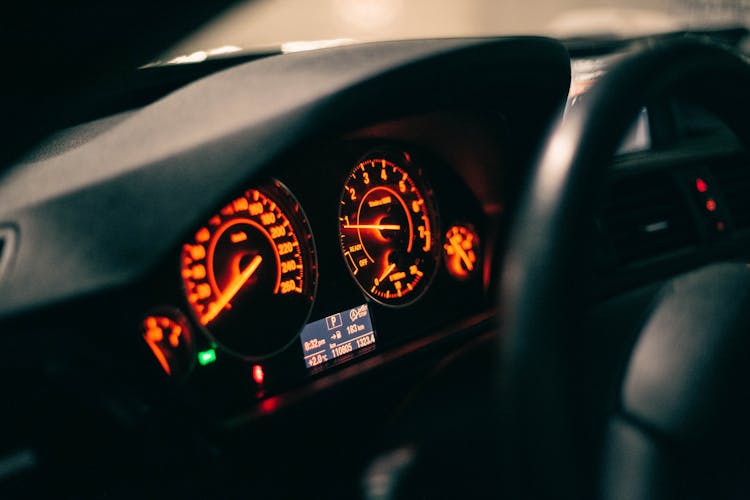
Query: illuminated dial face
{"x": 168, "y": 336}
{"x": 387, "y": 228}
{"x": 461, "y": 252}
{"x": 250, "y": 273}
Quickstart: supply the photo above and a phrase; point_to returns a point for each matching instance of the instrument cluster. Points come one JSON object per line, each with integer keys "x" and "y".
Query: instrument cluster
{"x": 347, "y": 252}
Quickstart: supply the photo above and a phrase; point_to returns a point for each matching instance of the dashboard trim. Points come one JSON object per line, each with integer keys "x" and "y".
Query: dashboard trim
{"x": 483, "y": 324}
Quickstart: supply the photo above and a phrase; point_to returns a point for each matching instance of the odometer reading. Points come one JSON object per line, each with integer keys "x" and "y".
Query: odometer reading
{"x": 387, "y": 228}
{"x": 250, "y": 273}
{"x": 341, "y": 334}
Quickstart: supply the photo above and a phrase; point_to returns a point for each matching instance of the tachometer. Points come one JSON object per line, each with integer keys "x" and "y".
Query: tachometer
{"x": 387, "y": 225}
{"x": 250, "y": 273}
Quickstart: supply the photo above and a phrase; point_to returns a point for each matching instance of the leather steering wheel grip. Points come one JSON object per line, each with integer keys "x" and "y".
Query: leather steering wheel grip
{"x": 547, "y": 258}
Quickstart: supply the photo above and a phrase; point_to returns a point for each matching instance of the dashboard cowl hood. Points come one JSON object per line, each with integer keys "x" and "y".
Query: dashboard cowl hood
{"x": 101, "y": 215}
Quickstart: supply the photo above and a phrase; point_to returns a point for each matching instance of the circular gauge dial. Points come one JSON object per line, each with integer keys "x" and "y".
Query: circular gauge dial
{"x": 250, "y": 274}
{"x": 461, "y": 252}
{"x": 387, "y": 225}
{"x": 168, "y": 336}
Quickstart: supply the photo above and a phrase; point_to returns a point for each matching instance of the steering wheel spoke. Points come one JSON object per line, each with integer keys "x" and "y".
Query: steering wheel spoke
{"x": 551, "y": 452}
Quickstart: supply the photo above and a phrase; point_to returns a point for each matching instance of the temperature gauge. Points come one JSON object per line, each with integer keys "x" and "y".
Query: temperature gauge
{"x": 461, "y": 252}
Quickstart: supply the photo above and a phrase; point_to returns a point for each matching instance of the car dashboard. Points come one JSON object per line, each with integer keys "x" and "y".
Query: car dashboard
{"x": 368, "y": 242}
{"x": 271, "y": 268}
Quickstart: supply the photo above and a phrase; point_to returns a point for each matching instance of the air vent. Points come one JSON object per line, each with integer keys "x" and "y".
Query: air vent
{"x": 646, "y": 217}
{"x": 734, "y": 181}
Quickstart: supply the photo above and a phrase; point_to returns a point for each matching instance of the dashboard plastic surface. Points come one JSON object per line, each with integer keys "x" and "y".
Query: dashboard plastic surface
{"x": 200, "y": 143}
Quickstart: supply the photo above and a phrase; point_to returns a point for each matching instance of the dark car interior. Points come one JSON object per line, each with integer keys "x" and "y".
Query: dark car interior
{"x": 433, "y": 268}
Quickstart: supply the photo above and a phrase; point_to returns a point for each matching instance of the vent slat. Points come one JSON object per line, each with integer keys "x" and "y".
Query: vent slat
{"x": 646, "y": 217}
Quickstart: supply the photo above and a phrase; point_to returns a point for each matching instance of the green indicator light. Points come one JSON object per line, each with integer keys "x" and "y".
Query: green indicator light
{"x": 207, "y": 357}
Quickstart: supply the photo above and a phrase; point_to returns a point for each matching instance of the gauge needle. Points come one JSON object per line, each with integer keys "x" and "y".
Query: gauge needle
{"x": 461, "y": 253}
{"x": 381, "y": 227}
{"x": 215, "y": 307}
{"x": 153, "y": 336}
{"x": 386, "y": 272}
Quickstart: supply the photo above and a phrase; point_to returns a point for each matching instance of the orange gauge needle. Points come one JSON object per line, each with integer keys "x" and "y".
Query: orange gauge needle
{"x": 215, "y": 307}
{"x": 381, "y": 227}
{"x": 461, "y": 253}
{"x": 152, "y": 337}
{"x": 386, "y": 273}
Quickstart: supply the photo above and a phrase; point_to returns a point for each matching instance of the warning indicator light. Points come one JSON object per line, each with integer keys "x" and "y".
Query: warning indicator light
{"x": 258, "y": 374}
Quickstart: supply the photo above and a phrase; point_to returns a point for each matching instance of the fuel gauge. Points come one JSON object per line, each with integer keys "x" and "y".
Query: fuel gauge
{"x": 168, "y": 336}
{"x": 461, "y": 252}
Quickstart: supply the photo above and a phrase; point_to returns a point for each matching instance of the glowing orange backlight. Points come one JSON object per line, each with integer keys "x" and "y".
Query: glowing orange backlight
{"x": 461, "y": 249}
{"x": 215, "y": 307}
{"x": 386, "y": 228}
{"x": 238, "y": 237}
{"x": 168, "y": 339}
{"x": 240, "y": 204}
{"x": 258, "y": 233}
{"x": 174, "y": 337}
{"x": 153, "y": 336}
{"x": 202, "y": 235}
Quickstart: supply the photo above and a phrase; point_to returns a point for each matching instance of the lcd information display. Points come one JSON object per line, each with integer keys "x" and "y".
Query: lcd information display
{"x": 337, "y": 335}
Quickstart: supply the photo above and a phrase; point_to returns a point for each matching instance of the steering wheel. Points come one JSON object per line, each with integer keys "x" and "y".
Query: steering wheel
{"x": 680, "y": 427}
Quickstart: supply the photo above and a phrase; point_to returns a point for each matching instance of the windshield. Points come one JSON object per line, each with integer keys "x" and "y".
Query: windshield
{"x": 264, "y": 24}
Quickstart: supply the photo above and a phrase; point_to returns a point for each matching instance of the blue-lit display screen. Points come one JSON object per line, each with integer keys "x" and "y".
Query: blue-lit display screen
{"x": 337, "y": 335}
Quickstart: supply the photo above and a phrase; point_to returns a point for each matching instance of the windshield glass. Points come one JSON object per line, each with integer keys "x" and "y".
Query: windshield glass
{"x": 264, "y": 24}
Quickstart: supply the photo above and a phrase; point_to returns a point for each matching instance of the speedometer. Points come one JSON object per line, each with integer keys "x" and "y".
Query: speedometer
{"x": 387, "y": 226}
{"x": 250, "y": 273}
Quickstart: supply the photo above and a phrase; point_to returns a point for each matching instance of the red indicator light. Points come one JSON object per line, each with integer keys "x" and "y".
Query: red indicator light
{"x": 701, "y": 185}
{"x": 269, "y": 405}
{"x": 720, "y": 226}
{"x": 258, "y": 374}
{"x": 710, "y": 205}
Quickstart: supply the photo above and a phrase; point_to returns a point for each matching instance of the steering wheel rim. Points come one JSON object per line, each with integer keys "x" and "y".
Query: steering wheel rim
{"x": 539, "y": 307}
